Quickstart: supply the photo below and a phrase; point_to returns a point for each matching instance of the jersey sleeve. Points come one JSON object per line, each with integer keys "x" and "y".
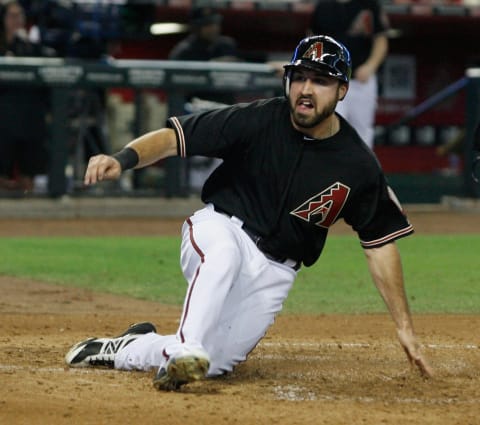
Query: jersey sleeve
{"x": 216, "y": 133}
{"x": 377, "y": 216}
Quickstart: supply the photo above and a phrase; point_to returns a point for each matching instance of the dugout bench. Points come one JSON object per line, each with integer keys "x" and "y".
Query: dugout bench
{"x": 174, "y": 77}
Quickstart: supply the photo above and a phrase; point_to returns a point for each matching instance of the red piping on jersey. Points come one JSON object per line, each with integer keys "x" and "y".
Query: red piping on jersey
{"x": 192, "y": 285}
{"x": 387, "y": 238}
{"x": 180, "y": 137}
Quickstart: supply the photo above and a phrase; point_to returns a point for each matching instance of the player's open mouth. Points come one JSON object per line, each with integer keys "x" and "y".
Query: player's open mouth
{"x": 305, "y": 104}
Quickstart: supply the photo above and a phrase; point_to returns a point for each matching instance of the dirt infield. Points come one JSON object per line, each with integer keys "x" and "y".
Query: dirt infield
{"x": 324, "y": 369}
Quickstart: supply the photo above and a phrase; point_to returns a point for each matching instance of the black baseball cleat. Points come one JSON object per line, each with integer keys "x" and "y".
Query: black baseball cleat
{"x": 101, "y": 351}
{"x": 188, "y": 366}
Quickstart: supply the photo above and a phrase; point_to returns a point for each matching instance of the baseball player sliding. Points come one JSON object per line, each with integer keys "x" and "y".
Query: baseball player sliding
{"x": 291, "y": 168}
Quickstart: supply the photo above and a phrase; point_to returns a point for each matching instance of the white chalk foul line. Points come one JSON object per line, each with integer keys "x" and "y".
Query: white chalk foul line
{"x": 364, "y": 345}
{"x": 299, "y": 393}
{"x": 14, "y": 368}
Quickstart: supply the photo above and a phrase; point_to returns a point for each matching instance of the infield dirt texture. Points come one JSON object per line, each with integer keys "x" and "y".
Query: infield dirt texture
{"x": 323, "y": 369}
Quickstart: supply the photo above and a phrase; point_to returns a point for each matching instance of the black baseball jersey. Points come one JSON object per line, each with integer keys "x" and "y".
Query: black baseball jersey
{"x": 286, "y": 187}
{"x": 354, "y": 23}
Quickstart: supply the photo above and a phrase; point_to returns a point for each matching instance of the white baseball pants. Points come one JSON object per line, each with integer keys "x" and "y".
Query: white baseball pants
{"x": 359, "y": 107}
{"x": 233, "y": 295}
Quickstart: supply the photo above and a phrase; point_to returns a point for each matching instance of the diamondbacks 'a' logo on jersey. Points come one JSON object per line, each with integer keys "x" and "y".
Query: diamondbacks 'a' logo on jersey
{"x": 324, "y": 208}
{"x": 362, "y": 24}
{"x": 314, "y": 52}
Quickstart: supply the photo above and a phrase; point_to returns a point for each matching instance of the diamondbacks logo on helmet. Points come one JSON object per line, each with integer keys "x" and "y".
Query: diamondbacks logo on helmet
{"x": 314, "y": 52}
{"x": 322, "y": 54}
{"x": 323, "y": 208}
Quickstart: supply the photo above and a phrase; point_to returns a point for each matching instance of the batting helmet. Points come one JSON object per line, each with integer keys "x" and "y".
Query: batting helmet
{"x": 323, "y": 54}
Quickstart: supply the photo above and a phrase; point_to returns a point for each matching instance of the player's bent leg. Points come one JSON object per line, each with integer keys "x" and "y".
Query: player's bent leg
{"x": 212, "y": 259}
{"x": 248, "y": 313}
{"x": 145, "y": 353}
{"x": 234, "y": 291}
{"x": 233, "y": 295}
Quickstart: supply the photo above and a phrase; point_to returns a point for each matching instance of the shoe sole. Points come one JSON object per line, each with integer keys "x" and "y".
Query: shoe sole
{"x": 181, "y": 371}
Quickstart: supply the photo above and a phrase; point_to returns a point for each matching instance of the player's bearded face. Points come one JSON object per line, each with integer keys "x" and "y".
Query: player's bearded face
{"x": 313, "y": 98}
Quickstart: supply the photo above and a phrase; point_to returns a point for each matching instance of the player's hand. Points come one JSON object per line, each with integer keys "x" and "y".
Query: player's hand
{"x": 412, "y": 349}
{"x": 102, "y": 167}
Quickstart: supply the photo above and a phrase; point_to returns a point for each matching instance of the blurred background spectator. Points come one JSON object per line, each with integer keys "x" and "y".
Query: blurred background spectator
{"x": 361, "y": 25}
{"x": 205, "y": 43}
{"x": 23, "y": 149}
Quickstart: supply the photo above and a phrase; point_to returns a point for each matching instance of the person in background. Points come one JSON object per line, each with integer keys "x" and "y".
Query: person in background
{"x": 362, "y": 26}
{"x": 23, "y": 150}
{"x": 206, "y": 43}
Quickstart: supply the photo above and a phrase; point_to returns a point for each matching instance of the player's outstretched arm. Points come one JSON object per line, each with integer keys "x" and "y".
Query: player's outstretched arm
{"x": 143, "y": 151}
{"x": 386, "y": 269}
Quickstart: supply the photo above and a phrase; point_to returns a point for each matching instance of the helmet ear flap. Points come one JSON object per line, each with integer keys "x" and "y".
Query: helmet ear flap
{"x": 286, "y": 82}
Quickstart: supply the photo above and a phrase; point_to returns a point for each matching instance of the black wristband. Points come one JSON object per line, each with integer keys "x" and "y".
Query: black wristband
{"x": 127, "y": 157}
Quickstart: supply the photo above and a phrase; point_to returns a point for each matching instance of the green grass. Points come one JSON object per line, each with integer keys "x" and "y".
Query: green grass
{"x": 441, "y": 275}
{"x": 441, "y": 272}
{"x": 141, "y": 267}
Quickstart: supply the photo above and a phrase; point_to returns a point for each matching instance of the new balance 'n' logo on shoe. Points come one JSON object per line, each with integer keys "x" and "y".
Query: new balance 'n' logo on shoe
{"x": 101, "y": 351}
